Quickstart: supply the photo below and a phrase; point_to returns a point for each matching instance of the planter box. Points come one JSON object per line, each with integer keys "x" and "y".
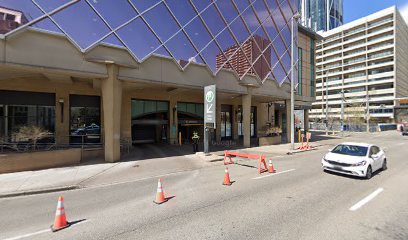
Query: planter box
{"x": 274, "y": 140}
{"x": 15, "y": 162}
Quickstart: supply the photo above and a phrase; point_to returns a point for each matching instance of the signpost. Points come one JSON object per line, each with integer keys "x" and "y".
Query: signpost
{"x": 209, "y": 113}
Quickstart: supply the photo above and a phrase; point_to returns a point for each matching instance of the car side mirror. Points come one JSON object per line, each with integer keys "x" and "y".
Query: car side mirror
{"x": 373, "y": 155}
{"x": 330, "y": 149}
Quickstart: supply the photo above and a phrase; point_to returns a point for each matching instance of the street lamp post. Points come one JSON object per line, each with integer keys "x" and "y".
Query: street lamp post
{"x": 292, "y": 87}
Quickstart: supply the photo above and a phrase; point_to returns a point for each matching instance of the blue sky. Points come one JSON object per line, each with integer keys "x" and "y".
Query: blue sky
{"x": 355, "y": 9}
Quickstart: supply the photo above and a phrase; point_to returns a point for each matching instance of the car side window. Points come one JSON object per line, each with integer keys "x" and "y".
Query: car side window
{"x": 374, "y": 150}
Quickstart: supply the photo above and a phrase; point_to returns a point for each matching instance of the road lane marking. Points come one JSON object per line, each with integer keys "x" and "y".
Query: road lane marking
{"x": 40, "y": 232}
{"x": 399, "y": 144}
{"x": 290, "y": 170}
{"x": 366, "y": 199}
{"x": 29, "y": 235}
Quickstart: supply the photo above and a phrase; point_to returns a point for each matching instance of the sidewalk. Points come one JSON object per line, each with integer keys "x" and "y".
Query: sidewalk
{"x": 133, "y": 168}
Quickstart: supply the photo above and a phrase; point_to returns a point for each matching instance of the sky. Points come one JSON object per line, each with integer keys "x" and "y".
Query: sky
{"x": 355, "y": 9}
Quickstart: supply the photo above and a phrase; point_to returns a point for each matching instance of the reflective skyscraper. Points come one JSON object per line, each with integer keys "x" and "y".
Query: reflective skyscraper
{"x": 321, "y": 15}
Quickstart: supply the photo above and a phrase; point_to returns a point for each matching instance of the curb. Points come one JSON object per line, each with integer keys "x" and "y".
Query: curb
{"x": 40, "y": 191}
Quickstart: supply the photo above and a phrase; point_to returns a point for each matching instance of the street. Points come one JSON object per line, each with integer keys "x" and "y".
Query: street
{"x": 299, "y": 201}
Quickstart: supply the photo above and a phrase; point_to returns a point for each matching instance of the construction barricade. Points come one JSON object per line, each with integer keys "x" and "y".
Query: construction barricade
{"x": 261, "y": 159}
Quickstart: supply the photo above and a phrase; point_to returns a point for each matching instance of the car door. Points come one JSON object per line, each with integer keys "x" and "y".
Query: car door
{"x": 376, "y": 156}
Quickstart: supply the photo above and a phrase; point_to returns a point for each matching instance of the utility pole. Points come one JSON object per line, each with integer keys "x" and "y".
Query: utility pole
{"x": 292, "y": 87}
{"x": 327, "y": 103}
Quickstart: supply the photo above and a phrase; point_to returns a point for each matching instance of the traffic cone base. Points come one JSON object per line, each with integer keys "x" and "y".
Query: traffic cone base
{"x": 57, "y": 229}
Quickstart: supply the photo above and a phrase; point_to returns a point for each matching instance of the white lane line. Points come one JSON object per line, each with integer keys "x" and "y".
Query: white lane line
{"x": 399, "y": 144}
{"x": 366, "y": 199}
{"x": 274, "y": 174}
{"x": 29, "y": 234}
{"x": 40, "y": 232}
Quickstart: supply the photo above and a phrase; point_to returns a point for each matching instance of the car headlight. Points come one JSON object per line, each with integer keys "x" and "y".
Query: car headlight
{"x": 362, "y": 163}
{"x": 324, "y": 159}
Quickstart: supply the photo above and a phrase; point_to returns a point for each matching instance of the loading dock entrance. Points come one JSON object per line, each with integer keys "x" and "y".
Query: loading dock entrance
{"x": 149, "y": 121}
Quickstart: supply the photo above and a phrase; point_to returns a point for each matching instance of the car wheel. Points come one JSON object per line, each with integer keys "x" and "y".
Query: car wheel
{"x": 369, "y": 172}
{"x": 384, "y": 166}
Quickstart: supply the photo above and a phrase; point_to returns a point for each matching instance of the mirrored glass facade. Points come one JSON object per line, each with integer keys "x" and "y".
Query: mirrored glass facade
{"x": 321, "y": 15}
{"x": 247, "y": 37}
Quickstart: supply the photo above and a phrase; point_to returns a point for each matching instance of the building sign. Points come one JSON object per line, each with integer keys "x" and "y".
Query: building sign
{"x": 209, "y": 105}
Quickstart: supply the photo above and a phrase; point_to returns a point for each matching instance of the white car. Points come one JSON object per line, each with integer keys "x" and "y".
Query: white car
{"x": 357, "y": 159}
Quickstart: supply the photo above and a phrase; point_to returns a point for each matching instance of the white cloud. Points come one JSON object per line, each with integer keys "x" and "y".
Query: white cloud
{"x": 404, "y": 11}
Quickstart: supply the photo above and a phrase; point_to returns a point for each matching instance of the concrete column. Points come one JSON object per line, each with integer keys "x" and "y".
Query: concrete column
{"x": 112, "y": 103}
{"x": 173, "y": 124}
{"x": 246, "y": 117}
{"x": 62, "y": 116}
{"x": 306, "y": 120}
{"x": 288, "y": 117}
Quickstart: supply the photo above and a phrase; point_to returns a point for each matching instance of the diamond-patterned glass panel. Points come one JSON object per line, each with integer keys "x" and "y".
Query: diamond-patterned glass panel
{"x": 84, "y": 25}
{"x": 49, "y": 5}
{"x": 245, "y": 36}
{"x": 115, "y": 16}
{"x": 138, "y": 37}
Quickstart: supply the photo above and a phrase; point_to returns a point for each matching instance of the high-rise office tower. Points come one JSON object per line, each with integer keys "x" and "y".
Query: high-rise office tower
{"x": 321, "y": 15}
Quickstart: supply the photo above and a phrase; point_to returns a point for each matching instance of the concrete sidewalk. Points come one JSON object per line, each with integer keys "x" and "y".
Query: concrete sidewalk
{"x": 132, "y": 169}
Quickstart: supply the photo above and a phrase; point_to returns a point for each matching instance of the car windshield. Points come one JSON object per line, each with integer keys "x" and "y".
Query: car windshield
{"x": 350, "y": 150}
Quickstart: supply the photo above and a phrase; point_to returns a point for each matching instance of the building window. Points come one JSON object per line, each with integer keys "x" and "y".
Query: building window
{"x": 26, "y": 109}
{"x": 300, "y": 59}
{"x": 10, "y": 17}
{"x": 312, "y": 67}
{"x": 85, "y": 119}
{"x": 252, "y": 122}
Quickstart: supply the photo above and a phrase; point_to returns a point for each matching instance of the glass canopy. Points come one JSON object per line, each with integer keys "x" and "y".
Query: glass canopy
{"x": 244, "y": 36}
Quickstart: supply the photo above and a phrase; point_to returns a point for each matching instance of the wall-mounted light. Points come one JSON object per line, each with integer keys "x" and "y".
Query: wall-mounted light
{"x": 61, "y": 103}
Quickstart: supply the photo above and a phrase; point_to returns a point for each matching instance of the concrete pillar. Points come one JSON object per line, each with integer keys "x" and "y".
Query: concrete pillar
{"x": 173, "y": 124}
{"x": 246, "y": 117}
{"x": 62, "y": 116}
{"x": 112, "y": 103}
{"x": 306, "y": 120}
{"x": 288, "y": 117}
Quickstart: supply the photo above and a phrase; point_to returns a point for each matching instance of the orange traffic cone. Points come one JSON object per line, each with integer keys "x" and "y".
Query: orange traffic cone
{"x": 270, "y": 167}
{"x": 227, "y": 180}
{"x": 160, "y": 194}
{"x": 60, "y": 221}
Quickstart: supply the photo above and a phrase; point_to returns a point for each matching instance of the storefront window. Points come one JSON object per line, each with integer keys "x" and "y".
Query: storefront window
{"x": 253, "y": 123}
{"x": 26, "y": 109}
{"x": 226, "y": 121}
{"x": 85, "y": 119}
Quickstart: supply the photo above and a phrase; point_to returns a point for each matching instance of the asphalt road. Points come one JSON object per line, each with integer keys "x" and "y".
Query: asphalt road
{"x": 300, "y": 202}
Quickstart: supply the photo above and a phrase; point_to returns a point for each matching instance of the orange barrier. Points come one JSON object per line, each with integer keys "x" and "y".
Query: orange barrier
{"x": 227, "y": 180}
{"x": 260, "y": 158}
{"x": 60, "y": 221}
